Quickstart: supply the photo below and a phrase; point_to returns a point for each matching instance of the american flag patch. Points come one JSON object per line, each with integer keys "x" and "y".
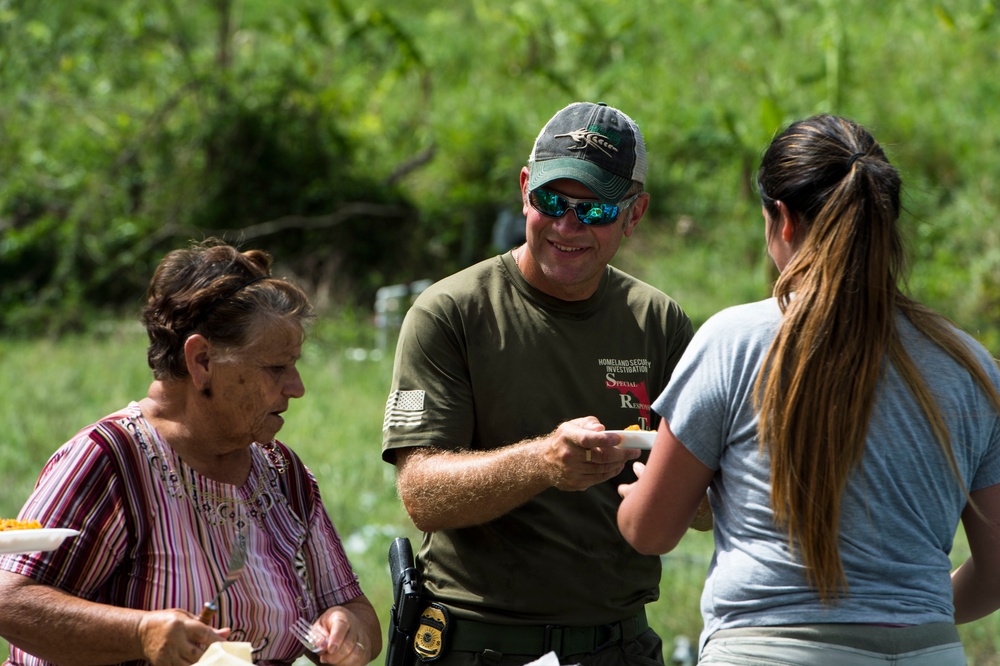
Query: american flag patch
{"x": 404, "y": 408}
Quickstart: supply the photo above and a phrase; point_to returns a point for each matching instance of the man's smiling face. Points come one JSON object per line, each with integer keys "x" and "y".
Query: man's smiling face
{"x": 564, "y": 257}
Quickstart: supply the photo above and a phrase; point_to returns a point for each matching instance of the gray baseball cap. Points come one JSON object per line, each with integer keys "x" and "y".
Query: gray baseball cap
{"x": 594, "y": 144}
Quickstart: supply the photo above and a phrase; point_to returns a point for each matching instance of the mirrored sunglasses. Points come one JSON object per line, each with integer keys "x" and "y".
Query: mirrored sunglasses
{"x": 593, "y": 213}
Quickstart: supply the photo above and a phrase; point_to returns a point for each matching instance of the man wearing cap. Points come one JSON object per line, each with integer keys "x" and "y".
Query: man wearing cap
{"x": 506, "y": 376}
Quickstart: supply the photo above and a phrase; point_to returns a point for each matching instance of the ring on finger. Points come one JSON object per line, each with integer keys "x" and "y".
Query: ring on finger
{"x": 587, "y": 457}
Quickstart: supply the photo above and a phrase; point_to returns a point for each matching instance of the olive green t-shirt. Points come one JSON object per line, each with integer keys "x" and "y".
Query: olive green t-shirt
{"x": 485, "y": 360}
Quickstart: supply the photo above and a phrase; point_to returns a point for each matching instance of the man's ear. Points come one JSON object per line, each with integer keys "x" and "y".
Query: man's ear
{"x": 635, "y": 213}
{"x": 525, "y": 174}
{"x": 197, "y": 358}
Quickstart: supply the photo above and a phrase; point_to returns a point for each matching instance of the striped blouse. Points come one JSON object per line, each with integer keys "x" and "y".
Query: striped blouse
{"x": 154, "y": 534}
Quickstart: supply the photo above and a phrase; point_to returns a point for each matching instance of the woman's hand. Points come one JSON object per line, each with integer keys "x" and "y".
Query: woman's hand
{"x": 625, "y": 488}
{"x": 175, "y": 637}
{"x": 354, "y": 634}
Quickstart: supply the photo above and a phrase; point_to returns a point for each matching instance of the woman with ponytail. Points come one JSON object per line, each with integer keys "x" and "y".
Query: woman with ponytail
{"x": 842, "y": 430}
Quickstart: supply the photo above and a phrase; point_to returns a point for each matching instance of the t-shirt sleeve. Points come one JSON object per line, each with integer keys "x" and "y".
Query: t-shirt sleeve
{"x": 710, "y": 390}
{"x": 692, "y": 403}
{"x": 988, "y": 472}
{"x": 78, "y": 489}
{"x": 430, "y": 401}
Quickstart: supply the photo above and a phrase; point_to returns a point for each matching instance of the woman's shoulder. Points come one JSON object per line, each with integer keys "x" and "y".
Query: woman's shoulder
{"x": 921, "y": 345}
{"x": 743, "y": 319}
{"x": 297, "y": 482}
{"x": 279, "y": 457}
{"x": 111, "y": 431}
{"x": 737, "y": 332}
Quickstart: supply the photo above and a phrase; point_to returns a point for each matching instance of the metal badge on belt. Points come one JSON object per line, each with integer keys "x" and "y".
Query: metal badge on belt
{"x": 429, "y": 638}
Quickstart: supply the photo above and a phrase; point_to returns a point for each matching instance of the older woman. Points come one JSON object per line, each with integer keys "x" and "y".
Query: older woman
{"x": 166, "y": 489}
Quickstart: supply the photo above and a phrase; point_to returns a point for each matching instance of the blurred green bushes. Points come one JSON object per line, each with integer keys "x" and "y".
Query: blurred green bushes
{"x": 375, "y": 142}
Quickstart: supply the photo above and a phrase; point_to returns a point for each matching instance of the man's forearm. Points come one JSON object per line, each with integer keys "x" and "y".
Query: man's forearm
{"x": 445, "y": 489}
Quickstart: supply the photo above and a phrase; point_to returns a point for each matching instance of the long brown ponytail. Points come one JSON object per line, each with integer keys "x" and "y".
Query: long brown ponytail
{"x": 840, "y": 295}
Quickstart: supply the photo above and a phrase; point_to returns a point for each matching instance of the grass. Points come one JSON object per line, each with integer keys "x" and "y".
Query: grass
{"x": 54, "y": 388}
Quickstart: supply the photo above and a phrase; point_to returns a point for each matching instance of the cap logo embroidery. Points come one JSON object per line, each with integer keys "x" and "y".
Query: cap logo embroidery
{"x": 586, "y": 137}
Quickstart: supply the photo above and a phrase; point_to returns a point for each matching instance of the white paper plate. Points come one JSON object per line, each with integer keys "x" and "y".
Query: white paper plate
{"x": 33, "y": 541}
{"x": 636, "y": 439}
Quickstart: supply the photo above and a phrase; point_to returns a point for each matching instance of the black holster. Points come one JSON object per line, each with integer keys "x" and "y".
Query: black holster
{"x": 407, "y": 591}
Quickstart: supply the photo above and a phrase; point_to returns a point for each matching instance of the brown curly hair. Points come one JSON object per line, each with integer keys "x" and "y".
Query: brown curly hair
{"x": 215, "y": 290}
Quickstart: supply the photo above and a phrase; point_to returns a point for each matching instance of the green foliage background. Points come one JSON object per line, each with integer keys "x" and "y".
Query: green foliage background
{"x": 374, "y": 142}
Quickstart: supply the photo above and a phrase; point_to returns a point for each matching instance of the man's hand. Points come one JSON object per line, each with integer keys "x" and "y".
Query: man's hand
{"x": 580, "y": 454}
{"x": 444, "y": 489}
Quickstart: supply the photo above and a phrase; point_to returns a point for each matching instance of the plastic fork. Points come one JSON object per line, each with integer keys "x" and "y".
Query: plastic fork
{"x": 309, "y": 635}
{"x": 237, "y": 560}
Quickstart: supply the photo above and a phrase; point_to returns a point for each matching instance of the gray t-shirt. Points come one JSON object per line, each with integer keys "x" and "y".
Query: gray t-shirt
{"x": 484, "y": 360}
{"x": 900, "y": 510}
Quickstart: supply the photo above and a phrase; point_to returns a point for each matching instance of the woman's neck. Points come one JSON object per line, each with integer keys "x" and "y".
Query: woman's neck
{"x": 194, "y": 439}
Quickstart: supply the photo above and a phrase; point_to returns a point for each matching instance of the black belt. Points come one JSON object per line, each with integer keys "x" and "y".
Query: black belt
{"x": 472, "y": 636}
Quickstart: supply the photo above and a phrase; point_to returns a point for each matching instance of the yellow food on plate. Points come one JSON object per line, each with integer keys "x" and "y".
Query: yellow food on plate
{"x": 633, "y": 427}
{"x": 15, "y": 524}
